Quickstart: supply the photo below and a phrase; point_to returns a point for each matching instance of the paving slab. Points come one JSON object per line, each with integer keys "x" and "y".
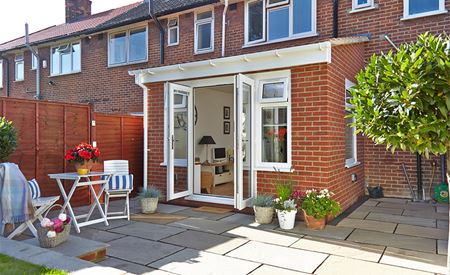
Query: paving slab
{"x": 330, "y": 231}
{"x": 350, "y": 266}
{"x": 125, "y": 265}
{"x": 218, "y": 244}
{"x": 442, "y": 209}
{"x": 430, "y": 214}
{"x": 140, "y": 251}
{"x": 204, "y": 215}
{"x": 442, "y": 224}
{"x": 401, "y": 219}
{"x": 341, "y": 248}
{"x": 199, "y": 224}
{"x": 248, "y": 220}
{"x": 392, "y": 205}
{"x": 392, "y": 200}
{"x": 393, "y": 240}
{"x": 148, "y": 231}
{"x": 420, "y": 231}
{"x": 358, "y": 215}
{"x": 442, "y": 247}
{"x": 271, "y": 270}
{"x": 159, "y": 218}
{"x": 254, "y": 234}
{"x": 97, "y": 235}
{"x": 112, "y": 224}
{"x": 415, "y": 260}
{"x": 375, "y": 209}
{"x": 279, "y": 256}
{"x": 370, "y": 202}
{"x": 169, "y": 208}
{"x": 99, "y": 270}
{"x": 190, "y": 261}
{"x": 387, "y": 227}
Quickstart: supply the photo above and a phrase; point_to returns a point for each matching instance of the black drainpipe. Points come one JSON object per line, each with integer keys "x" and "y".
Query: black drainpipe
{"x": 335, "y": 18}
{"x": 161, "y": 30}
{"x": 419, "y": 177}
{"x": 7, "y": 85}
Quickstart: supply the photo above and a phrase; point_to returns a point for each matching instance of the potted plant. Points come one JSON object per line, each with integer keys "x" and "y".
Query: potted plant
{"x": 317, "y": 206}
{"x": 83, "y": 155}
{"x": 263, "y": 207}
{"x": 285, "y": 205}
{"x": 8, "y": 139}
{"x": 149, "y": 199}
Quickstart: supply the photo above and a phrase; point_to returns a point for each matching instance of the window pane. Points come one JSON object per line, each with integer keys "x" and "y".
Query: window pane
{"x": 255, "y": 20}
{"x": 118, "y": 48}
{"x": 273, "y": 90}
{"x": 420, "y": 6}
{"x": 173, "y": 35}
{"x": 173, "y": 23}
{"x": 179, "y": 100}
{"x": 138, "y": 45}
{"x": 19, "y": 70}
{"x": 349, "y": 135}
{"x": 302, "y": 12}
{"x": 66, "y": 61}
{"x": 55, "y": 61}
{"x": 33, "y": 61}
{"x": 204, "y": 15}
{"x": 278, "y": 23}
{"x": 363, "y": 2}
{"x": 274, "y": 134}
{"x": 204, "y": 36}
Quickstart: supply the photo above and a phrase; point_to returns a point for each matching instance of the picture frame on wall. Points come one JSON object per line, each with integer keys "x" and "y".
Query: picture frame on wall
{"x": 226, "y": 112}
{"x": 226, "y": 127}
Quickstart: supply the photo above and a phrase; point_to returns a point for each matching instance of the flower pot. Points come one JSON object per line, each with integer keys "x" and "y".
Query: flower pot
{"x": 313, "y": 223}
{"x": 263, "y": 215}
{"x": 149, "y": 205}
{"x": 82, "y": 167}
{"x": 286, "y": 218}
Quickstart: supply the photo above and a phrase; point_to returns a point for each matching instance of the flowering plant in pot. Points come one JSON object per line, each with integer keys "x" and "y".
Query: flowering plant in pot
{"x": 285, "y": 205}
{"x": 317, "y": 206}
{"x": 83, "y": 155}
{"x": 263, "y": 207}
{"x": 149, "y": 199}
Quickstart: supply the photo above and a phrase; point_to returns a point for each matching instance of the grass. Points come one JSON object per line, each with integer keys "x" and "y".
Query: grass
{"x": 12, "y": 266}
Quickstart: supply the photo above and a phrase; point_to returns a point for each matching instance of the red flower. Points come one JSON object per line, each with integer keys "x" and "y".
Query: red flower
{"x": 96, "y": 152}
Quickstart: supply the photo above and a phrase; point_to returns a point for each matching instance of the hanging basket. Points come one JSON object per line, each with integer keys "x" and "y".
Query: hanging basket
{"x": 61, "y": 237}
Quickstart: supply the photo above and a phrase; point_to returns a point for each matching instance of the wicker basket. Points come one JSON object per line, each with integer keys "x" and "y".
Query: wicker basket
{"x": 61, "y": 237}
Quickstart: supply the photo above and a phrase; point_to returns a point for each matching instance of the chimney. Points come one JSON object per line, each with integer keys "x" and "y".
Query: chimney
{"x": 77, "y": 9}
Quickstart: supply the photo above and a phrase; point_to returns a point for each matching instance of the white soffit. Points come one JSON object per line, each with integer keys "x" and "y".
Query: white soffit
{"x": 267, "y": 60}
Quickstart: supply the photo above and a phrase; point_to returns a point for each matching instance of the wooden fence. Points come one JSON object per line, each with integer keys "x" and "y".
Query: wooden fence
{"x": 46, "y": 130}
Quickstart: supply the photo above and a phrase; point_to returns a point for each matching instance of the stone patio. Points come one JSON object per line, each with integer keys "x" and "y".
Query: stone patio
{"x": 385, "y": 236}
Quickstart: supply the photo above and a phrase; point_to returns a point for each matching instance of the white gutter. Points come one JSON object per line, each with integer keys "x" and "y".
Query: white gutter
{"x": 224, "y": 23}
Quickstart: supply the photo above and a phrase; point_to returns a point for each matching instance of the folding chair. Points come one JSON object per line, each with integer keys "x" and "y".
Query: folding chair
{"x": 40, "y": 204}
{"x": 120, "y": 185}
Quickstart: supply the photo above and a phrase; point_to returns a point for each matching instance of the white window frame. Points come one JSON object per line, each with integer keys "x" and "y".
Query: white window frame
{"x": 127, "y": 46}
{"x": 291, "y": 36}
{"x": 350, "y": 162}
{"x": 33, "y": 62}
{"x": 60, "y": 59}
{"x": 169, "y": 28}
{"x": 407, "y": 16}
{"x": 16, "y": 62}
{"x": 284, "y": 98}
{"x": 356, "y": 6}
{"x": 197, "y": 23}
{"x": 1, "y": 74}
{"x": 284, "y": 2}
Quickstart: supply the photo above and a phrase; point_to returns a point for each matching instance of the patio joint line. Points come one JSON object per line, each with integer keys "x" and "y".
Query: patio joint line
{"x": 382, "y": 254}
{"x": 346, "y": 238}
{"x": 328, "y": 256}
{"x": 117, "y": 258}
{"x": 246, "y": 242}
{"x": 162, "y": 240}
{"x": 168, "y": 255}
{"x": 121, "y": 237}
{"x": 255, "y": 269}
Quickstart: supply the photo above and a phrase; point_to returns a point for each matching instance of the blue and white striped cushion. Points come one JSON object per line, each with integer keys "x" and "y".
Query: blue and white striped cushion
{"x": 120, "y": 182}
{"x": 34, "y": 188}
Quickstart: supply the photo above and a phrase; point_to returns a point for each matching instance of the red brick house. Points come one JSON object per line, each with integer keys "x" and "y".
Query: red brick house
{"x": 263, "y": 80}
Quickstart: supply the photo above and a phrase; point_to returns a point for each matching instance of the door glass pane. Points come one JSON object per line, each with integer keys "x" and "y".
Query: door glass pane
{"x": 255, "y": 20}
{"x": 278, "y": 23}
{"x": 204, "y": 36}
{"x": 274, "y": 133}
{"x": 117, "y": 48}
{"x": 245, "y": 139}
{"x": 420, "y": 6}
{"x": 181, "y": 144}
{"x": 302, "y": 12}
{"x": 138, "y": 45}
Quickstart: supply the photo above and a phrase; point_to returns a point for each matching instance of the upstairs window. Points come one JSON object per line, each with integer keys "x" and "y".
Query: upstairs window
{"x": 33, "y": 62}
{"x": 173, "y": 31}
{"x": 1, "y": 74}
{"x": 66, "y": 59}
{"x": 128, "y": 47}
{"x": 19, "y": 68}
{"x": 418, "y": 8}
{"x": 362, "y": 4}
{"x": 204, "y": 32}
{"x": 273, "y": 20}
{"x": 350, "y": 136}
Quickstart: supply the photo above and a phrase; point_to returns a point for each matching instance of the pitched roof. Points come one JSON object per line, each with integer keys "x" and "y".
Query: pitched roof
{"x": 105, "y": 20}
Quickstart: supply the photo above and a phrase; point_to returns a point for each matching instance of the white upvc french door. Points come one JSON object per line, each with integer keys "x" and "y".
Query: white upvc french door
{"x": 179, "y": 149}
{"x": 245, "y": 176}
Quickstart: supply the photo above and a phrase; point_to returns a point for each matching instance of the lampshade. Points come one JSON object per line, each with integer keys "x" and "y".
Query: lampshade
{"x": 207, "y": 140}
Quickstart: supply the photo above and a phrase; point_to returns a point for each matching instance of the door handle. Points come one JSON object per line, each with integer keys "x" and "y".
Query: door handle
{"x": 172, "y": 142}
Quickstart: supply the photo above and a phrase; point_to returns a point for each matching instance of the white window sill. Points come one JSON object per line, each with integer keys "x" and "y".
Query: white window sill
{"x": 363, "y": 9}
{"x": 281, "y": 40}
{"x": 56, "y": 75}
{"x": 203, "y": 52}
{"x": 281, "y": 168}
{"x": 127, "y": 63}
{"x": 425, "y": 14}
{"x": 19, "y": 80}
{"x": 352, "y": 164}
{"x": 176, "y": 44}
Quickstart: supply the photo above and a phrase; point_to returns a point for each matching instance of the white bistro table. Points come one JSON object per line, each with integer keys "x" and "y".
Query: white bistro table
{"x": 80, "y": 181}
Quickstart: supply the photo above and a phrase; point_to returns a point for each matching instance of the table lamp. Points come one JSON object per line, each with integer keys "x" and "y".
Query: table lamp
{"x": 206, "y": 140}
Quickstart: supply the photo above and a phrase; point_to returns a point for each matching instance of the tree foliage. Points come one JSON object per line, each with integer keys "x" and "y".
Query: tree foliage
{"x": 8, "y": 139}
{"x": 402, "y": 99}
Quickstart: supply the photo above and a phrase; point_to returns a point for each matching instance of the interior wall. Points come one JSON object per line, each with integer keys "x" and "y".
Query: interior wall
{"x": 210, "y": 102}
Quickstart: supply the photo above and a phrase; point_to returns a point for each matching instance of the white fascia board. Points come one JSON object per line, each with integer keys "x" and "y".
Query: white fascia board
{"x": 267, "y": 60}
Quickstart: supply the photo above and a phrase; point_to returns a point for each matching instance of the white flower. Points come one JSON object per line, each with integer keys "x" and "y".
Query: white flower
{"x": 46, "y": 222}
{"x": 51, "y": 234}
{"x": 62, "y": 217}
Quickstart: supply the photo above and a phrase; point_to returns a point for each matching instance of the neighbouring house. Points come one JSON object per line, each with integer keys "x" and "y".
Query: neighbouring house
{"x": 231, "y": 90}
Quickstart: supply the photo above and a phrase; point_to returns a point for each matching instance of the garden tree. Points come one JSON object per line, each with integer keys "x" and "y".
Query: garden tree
{"x": 8, "y": 139}
{"x": 402, "y": 99}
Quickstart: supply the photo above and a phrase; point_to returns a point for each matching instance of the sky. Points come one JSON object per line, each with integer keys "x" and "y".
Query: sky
{"x": 40, "y": 14}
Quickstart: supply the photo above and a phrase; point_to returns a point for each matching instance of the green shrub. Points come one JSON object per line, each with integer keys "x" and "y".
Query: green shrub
{"x": 8, "y": 139}
{"x": 263, "y": 201}
{"x": 319, "y": 204}
{"x": 150, "y": 192}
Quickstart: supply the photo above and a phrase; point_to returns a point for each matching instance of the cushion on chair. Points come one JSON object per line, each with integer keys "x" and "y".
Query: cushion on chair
{"x": 34, "y": 188}
{"x": 120, "y": 182}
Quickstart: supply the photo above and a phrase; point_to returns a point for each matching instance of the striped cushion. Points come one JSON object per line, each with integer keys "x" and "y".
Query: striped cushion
{"x": 120, "y": 182}
{"x": 34, "y": 188}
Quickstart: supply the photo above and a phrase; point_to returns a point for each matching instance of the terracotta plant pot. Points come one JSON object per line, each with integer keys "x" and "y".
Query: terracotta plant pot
{"x": 263, "y": 215}
{"x": 83, "y": 166}
{"x": 313, "y": 223}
